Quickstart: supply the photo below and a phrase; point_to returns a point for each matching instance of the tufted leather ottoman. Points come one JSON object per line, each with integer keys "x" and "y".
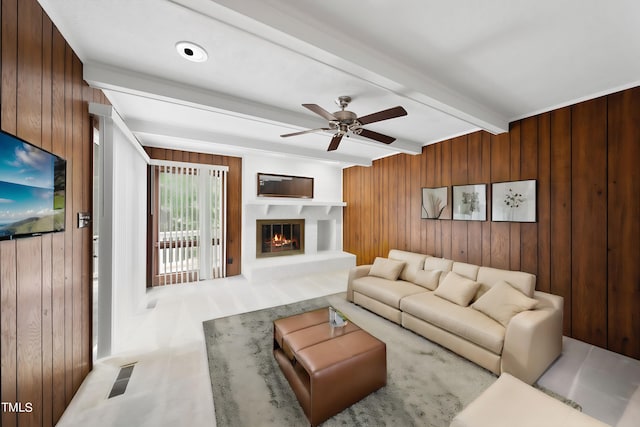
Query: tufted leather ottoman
{"x": 329, "y": 369}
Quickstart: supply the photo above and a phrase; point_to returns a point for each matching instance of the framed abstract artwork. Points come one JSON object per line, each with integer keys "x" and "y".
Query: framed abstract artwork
{"x": 514, "y": 201}
{"x": 434, "y": 203}
{"x": 470, "y": 202}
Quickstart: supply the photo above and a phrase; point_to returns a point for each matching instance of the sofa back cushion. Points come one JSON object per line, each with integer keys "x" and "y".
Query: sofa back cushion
{"x": 386, "y": 268}
{"x": 435, "y": 263}
{"x": 502, "y": 302}
{"x": 524, "y": 282}
{"x": 413, "y": 262}
{"x": 457, "y": 289}
{"x": 442, "y": 264}
{"x": 428, "y": 278}
{"x": 469, "y": 271}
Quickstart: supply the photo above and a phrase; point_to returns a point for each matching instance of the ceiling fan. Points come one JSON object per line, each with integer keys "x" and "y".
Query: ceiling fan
{"x": 344, "y": 121}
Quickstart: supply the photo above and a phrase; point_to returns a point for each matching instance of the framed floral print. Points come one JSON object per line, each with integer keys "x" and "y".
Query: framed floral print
{"x": 470, "y": 202}
{"x": 514, "y": 201}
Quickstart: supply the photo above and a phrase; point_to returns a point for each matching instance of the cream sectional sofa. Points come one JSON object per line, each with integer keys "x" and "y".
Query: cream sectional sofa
{"x": 493, "y": 317}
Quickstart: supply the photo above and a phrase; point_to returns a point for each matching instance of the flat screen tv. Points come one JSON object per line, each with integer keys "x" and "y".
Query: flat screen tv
{"x": 32, "y": 189}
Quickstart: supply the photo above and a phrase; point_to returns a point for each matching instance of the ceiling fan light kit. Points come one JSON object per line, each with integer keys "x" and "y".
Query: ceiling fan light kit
{"x": 347, "y": 122}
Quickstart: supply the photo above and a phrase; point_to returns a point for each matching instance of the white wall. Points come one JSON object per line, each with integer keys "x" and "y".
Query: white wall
{"x": 327, "y": 188}
{"x": 129, "y": 234}
{"x": 327, "y": 183}
{"x": 123, "y": 234}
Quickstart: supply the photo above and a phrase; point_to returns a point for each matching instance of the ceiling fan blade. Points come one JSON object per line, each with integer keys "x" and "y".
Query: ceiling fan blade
{"x": 390, "y": 113}
{"x": 385, "y": 139}
{"x": 335, "y": 141}
{"x": 303, "y": 132}
{"x": 320, "y": 111}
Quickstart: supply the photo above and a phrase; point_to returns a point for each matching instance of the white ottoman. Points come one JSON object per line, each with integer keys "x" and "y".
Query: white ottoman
{"x": 510, "y": 402}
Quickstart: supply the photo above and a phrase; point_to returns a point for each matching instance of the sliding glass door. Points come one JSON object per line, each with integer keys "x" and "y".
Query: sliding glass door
{"x": 189, "y": 222}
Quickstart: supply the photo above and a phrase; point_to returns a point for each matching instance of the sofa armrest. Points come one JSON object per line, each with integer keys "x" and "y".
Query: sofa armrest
{"x": 354, "y": 273}
{"x": 533, "y": 339}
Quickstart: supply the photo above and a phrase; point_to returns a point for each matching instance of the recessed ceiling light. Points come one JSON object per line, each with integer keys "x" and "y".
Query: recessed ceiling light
{"x": 191, "y": 51}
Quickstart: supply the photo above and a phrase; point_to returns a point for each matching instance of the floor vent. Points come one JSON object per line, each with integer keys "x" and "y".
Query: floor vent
{"x": 120, "y": 385}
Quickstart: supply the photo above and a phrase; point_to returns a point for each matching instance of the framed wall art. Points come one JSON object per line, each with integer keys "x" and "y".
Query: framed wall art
{"x": 470, "y": 202}
{"x": 434, "y": 203}
{"x": 514, "y": 201}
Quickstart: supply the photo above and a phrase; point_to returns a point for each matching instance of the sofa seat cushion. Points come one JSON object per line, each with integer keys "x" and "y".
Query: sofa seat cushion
{"x": 465, "y": 322}
{"x": 389, "y": 292}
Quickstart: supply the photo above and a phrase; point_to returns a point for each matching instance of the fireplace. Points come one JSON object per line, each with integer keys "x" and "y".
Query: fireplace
{"x": 279, "y": 237}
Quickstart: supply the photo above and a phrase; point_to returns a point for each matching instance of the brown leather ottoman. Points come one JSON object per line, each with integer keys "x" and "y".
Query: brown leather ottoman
{"x": 329, "y": 369}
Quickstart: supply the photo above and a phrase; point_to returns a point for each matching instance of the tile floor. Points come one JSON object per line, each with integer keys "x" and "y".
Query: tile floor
{"x": 170, "y": 382}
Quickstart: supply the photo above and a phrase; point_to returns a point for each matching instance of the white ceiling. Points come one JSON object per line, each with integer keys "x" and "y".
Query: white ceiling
{"x": 454, "y": 66}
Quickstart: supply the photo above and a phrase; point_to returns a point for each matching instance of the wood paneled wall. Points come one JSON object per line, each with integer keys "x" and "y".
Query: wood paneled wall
{"x": 585, "y": 244}
{"x": 46, "y": 281}
{"x": 234, "y": 195}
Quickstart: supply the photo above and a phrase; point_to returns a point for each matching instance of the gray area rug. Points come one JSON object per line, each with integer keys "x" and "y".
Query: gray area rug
{"x": 427, "y": 384}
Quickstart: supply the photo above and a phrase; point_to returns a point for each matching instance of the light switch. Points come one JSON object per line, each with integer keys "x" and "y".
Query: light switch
{"x": 84, "y": 219}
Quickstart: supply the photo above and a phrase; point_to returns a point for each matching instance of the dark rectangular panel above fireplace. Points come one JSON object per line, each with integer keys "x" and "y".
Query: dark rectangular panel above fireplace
{"x": 279, "y": 237}
{"x": 271, "y": 185}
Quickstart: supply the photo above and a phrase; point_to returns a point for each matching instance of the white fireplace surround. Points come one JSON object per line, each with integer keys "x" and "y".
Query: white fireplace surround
{"x": 322, "y": 215}
{"x": 323, "y": 238}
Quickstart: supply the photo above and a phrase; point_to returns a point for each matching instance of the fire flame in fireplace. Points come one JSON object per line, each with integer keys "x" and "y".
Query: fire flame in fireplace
{"x": 279, "y": 237}
{"x": 280, "y": 240}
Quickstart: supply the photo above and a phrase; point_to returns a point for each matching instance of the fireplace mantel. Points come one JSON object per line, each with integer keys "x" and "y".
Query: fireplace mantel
{"x": 299, "y": 204}
{"x": 323, "y": 237}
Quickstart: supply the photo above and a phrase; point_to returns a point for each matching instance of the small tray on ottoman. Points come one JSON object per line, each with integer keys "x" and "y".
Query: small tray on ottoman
{"x": 328, "y": 368}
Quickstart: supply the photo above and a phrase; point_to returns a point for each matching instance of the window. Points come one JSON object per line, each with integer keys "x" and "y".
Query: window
{"x": 189, "y": 225}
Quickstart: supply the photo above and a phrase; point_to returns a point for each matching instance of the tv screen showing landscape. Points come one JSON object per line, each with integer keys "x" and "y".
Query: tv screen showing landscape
{"x": 32, "y": 189}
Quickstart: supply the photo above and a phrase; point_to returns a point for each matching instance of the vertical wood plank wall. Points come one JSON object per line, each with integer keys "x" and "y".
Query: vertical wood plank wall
{"x": 585, "y": 244}
{"x": 234, "y": 195}
{"x": 45, "y": 281}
